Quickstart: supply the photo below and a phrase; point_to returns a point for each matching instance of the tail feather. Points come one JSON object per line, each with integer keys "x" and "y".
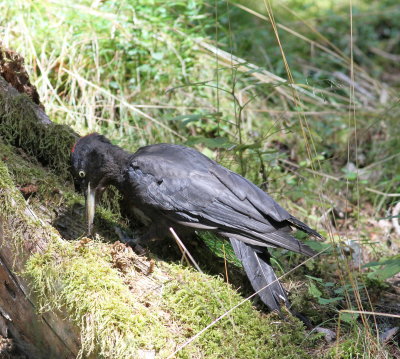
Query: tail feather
{"x": 303, "y": 227}
{"x": 278, "y": 239}
{"x": 261, "y": 274}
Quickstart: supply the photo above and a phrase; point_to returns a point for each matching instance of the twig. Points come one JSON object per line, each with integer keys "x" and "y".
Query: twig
{"x": 290, "y": 163}
{"x": 180, "y": 243}
{"x": 370, "y": 313}
{"x": 225, "y": 264}
{"x": 381, "y": 161}
{"x": 382, "y": 193}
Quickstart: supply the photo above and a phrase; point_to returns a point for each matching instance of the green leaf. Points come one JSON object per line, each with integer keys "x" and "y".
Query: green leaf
{"x": 329, "y": 300}
{"x": 305, "y": 163}
{"x": 243, "y": 147}
{"x": 157, "y": 55}
{"x": 314, "y": 278}
{"x": 349, "y": 317}
{"x": 348, "y": 288}
{"x": 329, "y": 284}
{"x": 386, "y": 271}
{"x": 351, "y": 176}
{"x": 114, "y": 84}
{"x": 390, "y": 261}
{"x": 314, "y": 291}
{"x": 318, "y": 246}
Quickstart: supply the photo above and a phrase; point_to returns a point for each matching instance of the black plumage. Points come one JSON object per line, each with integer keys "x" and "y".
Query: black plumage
{"x": 172, "y": 185}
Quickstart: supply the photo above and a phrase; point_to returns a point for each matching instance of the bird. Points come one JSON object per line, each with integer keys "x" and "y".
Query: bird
{"x": 170, "y": 185}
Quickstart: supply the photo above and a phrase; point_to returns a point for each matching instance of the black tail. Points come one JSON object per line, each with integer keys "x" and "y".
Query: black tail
{"x": 260, "y": 273}
{"x": 303, "y": 227}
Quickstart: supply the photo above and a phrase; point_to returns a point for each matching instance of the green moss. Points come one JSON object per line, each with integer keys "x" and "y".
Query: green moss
{"x": 49, "y": 191}
{"x": 26, "y": 170}
{"x": 356, "y": 345}
{"x": 195, "y": 300}
{"x": 50, "y": 143}
{"x": 113, "y": 323}
{"x": 10, "y": 199}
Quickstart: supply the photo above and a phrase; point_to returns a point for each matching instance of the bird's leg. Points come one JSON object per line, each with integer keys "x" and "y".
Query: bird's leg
{"x": 132, "y": 242}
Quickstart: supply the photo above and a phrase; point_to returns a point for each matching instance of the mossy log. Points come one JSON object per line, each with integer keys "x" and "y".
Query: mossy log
{"x": 36, "y": 335}
{"x": 66, "y": 296}
{"x": 22, "y": 122}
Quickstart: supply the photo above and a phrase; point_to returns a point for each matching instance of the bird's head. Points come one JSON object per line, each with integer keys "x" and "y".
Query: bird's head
{"x": 92, "y": 167}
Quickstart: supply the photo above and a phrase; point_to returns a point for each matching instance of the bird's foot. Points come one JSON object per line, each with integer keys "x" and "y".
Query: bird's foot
{"x": 134, "y": 243}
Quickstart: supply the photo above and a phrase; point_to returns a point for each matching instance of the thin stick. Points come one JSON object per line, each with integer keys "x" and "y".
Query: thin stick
{"x": 382, "y": 193}
{"x": 238, "y": 305}
{"x": 370, "y": 313}
{"x": 225, "y": 264}
{"x": 290, "y": 163}
{"x": 180, "y": 243}
{"x": 184, "y": 256}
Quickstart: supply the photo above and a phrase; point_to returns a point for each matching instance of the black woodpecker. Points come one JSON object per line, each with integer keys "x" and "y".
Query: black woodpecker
{"x": 176, "y": 186}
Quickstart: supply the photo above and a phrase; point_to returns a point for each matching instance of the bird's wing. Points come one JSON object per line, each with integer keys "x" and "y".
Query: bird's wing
{"x": 191, "y": 189}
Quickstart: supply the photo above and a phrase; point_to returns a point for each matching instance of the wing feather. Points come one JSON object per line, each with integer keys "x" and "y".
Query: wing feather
{"x": 188, "y": 187}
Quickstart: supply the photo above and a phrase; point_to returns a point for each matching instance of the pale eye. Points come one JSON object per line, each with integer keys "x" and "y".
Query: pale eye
{"x": 81, "y": 173}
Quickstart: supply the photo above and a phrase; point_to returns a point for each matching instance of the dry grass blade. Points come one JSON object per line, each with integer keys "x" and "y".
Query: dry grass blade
{"x": 123, "y": 102}
{"x": 370, "y": 313}
{"x": 374, "y": 87}
{"x": 335, "y": 178}
{"x": 183, "y": 247}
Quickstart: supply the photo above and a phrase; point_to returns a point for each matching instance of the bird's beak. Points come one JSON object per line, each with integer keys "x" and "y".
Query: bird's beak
{"x": 90, "y": 207}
